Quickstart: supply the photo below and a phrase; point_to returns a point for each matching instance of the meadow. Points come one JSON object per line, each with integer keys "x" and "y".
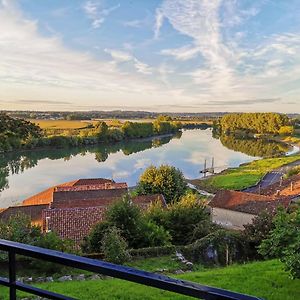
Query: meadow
{"x": 243, "y": 176}
{"x": 265, "y": 279}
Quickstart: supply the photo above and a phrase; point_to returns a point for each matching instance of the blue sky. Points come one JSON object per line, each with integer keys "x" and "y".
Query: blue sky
{"x": 171, "y": 55}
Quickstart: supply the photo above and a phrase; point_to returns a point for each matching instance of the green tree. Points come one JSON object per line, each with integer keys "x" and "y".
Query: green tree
{"x": 181, "y": 218}
{"x": 283, "y": 241}
{"x": 101, "y": 130}
{"x": 255, "y": 232}
{"x": 114, "y": 246}
{"x": 166, "y": 180}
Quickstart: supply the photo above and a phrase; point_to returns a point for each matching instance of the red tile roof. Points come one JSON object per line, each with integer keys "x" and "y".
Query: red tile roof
{"x": 246, "y": 202}
{"x": 46, "y": 196}
{"x": 73, "y": 223}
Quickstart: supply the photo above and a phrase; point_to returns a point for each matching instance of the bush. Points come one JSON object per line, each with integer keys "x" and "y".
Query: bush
{"x": 283, "y": 241}
{"x": 127, "y": 217}
{"x": 92, "y": 243}
{"x": 221, "y": 247}
{"x": 153, "y": 251}
{"x": 135, "y": 228}
{"x": 181, "y": 218}
{"x": 166, "y": 180}
{"x": 257, "y": 231}
{"x": 114, "y": 246}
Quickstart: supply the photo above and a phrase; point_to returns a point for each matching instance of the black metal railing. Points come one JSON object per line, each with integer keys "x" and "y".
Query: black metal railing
{"x": 97, "y": 266}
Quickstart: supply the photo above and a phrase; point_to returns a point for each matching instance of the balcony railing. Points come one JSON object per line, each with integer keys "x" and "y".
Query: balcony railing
{"x": 97, "y": 266}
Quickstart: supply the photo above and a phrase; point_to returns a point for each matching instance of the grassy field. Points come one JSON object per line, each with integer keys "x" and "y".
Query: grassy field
{"x": 262, "y": 279}
{"x": 61, "y": 124}
{"x": 243, "y": 176}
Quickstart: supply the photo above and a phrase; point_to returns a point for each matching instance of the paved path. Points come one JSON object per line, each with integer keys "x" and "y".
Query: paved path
{"x": 272, "y": 177}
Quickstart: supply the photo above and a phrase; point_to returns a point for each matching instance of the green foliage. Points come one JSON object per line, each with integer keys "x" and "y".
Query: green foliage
{"x": 114, "y": 246}
{"x": 181, "y": 218}
{"x": 220, "y": 247}
{"x": 166, "y": 180}
{"x": 153, "y": 251}
{"x": 92, "y": 243}
{"x": 127, "y": 217}
{"x": 254, "y": 122}
{"x": 255, "y": 232}
{"x": 283, "y": 241}
{"x": 293, "y": 171}
{"x": 153, "y": 235}
{"x": 134, "y": 227}
{"x": 137, "y": 130}
{"x": 18, "y": 228}
{"x": 101, "y": 130}
{"x": 16, "y": 132}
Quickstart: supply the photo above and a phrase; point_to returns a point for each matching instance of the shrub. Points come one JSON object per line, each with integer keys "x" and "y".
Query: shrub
{"x": 114, "y": 246}
{"x": 283, "y": 241}
{"x": 127, "y": 217}
{"x": 92, "y": 243}
{"x": 166, "y": 180}
{"x": 257, "y": 231}
{"x": 221, "y": 247}
{"x": 180, "y": 218}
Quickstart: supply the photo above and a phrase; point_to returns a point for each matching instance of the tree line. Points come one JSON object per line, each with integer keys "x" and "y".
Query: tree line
{"x": 21, "y": 134}
{"x": 262, "y": 123}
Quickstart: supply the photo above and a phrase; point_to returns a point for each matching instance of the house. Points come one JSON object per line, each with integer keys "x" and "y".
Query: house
{"x": 289, "y": 187}
{"x": 234, "y": 209}
{"x": 71, "y": 209}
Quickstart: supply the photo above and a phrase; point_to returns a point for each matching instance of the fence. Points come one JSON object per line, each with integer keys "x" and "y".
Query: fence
{"x": 98, "y": 266}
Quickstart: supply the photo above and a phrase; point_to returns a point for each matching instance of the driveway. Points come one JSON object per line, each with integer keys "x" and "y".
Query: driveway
{"x": 271, "y": 177}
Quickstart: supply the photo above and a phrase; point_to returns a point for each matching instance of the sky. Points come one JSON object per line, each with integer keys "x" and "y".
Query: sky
{"x": 170, "y": 55}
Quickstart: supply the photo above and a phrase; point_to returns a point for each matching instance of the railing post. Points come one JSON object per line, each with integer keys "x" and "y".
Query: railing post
{"x": 12, "y": 275}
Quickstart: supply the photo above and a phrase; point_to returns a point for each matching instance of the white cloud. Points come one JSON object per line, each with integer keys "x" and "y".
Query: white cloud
{"x": 36, "y": 67}
{"x": 122, "y": 56}
{"x": 182, "y": 53}
{"x": 225, "y": 70}
{"x": 159, "y": 18}
{"x": 97, "y": 13}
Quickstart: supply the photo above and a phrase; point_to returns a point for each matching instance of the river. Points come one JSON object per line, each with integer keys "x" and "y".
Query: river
{"x": 23, "y": 174}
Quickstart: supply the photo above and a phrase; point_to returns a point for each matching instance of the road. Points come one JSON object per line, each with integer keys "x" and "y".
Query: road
{"x": 271, "y": 177}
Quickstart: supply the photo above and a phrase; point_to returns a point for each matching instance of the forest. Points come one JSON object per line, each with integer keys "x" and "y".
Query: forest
{"x": 262, "y": 123}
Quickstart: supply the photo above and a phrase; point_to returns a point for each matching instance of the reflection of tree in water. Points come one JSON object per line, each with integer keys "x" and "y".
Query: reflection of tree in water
{"x": 15, "y": 163}
{"x": 254, "y": 147}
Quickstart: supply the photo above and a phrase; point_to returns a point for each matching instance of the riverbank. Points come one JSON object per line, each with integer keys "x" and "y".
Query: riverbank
{"x": 244, "y": 176}
{"x": 59, "y": 142}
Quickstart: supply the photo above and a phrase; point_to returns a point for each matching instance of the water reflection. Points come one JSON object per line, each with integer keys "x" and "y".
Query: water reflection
{"x": 23, "y": 174}
{"x": 17, "y": 162}
{"x": 254, "y": 147}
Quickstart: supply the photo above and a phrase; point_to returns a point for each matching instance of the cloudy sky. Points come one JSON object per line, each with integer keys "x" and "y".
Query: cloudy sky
{"x": 170, "y": 55}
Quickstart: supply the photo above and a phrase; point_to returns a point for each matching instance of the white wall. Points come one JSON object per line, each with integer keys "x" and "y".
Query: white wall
{"x": 230, "y": 218}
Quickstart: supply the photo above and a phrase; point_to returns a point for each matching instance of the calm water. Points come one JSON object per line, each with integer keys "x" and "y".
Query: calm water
{"x": 27, "y": 173}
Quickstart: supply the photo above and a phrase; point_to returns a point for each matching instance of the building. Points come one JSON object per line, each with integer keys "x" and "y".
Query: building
{"x": 289, "y": 187}
{"x": 71, "y": 209}
{"x": 233, "y": 209}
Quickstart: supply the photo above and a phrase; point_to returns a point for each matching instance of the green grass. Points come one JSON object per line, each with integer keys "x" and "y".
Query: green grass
{"x": 243, "y": 176}
{"x": 262, "y": 279}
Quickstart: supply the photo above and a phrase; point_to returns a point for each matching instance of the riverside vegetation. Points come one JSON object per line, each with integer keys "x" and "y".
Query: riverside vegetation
{"x": 21, "y": 134}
